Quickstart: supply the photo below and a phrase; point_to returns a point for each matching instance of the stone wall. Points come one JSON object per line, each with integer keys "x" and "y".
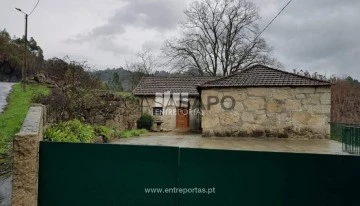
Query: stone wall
{"x": 269, "y": 112}
{"x": 116, "y": 111}
{"x": 25, "y": 152}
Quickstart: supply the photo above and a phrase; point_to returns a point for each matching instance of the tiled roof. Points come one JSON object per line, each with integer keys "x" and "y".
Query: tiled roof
{"x": 259, "y": 75}
{"x": 180, "y": 84}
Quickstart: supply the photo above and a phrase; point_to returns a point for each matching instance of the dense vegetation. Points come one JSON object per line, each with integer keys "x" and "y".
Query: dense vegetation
{"x": 120, "y": 79}
{"x": 12, "y": 57}
{"x": 77, "y": 132}
{"x": 345, "y": 101}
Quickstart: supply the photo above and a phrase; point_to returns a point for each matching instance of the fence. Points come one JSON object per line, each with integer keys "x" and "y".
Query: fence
{"x": 100, "y": 174}
{"x": 348, "y": 135}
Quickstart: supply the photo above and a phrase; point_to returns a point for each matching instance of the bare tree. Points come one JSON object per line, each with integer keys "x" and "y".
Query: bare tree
{"x": 144, "y": 65}
{"x": 219, "y": 37}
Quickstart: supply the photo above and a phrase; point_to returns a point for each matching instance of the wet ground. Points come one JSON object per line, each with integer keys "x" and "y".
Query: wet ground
{"x": 318, "y": 146}
{"x": 4, "y": 91}
{"x": 5, "y": 190}
{"x": 5, "y": 180}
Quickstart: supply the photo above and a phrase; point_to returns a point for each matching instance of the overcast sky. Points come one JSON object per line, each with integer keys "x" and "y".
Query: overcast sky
{"x": 321, "y": 36}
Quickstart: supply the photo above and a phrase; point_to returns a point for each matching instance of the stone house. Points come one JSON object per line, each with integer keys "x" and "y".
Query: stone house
{"x": 173, "y": 101}
{"x": 262, "y": 101}
{"x": 259, "y": 101}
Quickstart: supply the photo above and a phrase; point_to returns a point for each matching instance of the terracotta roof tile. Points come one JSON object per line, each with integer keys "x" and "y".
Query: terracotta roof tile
{"x": 180, "y": 84}
{"x": 259, "y": 75}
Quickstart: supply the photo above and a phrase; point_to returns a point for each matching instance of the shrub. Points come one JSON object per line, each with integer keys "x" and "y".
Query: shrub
{"x": 146, "y": 121}
{"x": 129, "y": 133}
{"x": 39, "y": 96}
{"x": 117, "y": 133}
{"x": 103, "y": 131}
{"x": 143, "y": 131}
{"x": 126, "y": 134}
{"x": 70, "y": 131}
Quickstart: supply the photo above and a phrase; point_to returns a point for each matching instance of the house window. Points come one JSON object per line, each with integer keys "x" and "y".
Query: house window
{"x": 158, "y": 111}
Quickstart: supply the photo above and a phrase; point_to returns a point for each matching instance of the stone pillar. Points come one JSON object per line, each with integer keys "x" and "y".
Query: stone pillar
{"x": 26, "y": 158}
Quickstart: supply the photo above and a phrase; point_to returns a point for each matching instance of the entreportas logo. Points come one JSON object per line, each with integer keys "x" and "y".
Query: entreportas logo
{"x": 168, "y": 103}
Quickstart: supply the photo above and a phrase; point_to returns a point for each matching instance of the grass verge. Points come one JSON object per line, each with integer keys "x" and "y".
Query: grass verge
{"x": 132, "y": 133}
{"x": 15, "y": 112}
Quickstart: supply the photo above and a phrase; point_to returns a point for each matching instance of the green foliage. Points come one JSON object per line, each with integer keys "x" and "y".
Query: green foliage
{"x": 12, "y": 53}
{"x": 116, "y": 79}
{"x": 129, "y": 133}
{"x": 126, "y": 134}
{"x": 14, "y": 114}
{"x": 124, "y": 94}
{"x": 39, "y": 95}
{"x": 146, "y": 121}
{"x": 70, "y": 131}
{"x": 104, "y": 132}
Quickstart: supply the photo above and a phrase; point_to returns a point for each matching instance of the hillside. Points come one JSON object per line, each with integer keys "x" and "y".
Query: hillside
{"x": 113, "y": 77}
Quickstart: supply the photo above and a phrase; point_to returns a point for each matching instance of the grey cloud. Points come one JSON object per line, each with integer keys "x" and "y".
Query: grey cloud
{"x": 152, "y": 45}
{"x": 108, "y": 30}
{"x": 158, "y": 14}
{"x": 107, "y": 44}
{"x": 318, "y": 35}
{"x": 103, "y": 31}
{"x": 150, "y": 14}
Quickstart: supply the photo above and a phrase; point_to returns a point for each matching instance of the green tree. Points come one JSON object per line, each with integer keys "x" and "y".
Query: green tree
{"x": 116, "y": 82}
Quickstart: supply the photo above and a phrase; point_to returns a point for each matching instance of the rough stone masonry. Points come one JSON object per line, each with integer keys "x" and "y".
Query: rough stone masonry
{"x": 25, "y": 151}
{"x": 269, "y": 112}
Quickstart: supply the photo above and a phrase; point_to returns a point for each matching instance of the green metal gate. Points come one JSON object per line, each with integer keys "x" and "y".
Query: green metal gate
{"x": 348, "y": 135}
{"x": 101, "y": 174}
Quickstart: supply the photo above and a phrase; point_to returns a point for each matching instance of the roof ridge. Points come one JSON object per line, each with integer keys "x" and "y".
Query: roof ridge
{"x": 179, "y": 76}
{"x": 297, "y": 79}
{"x": 233, "y": 74}
{"x": 299, "y": 75}
{"x": 149, "y": 85}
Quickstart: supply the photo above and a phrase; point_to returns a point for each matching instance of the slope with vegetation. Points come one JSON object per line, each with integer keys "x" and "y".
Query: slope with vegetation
{"x": 345, "y": 101}
{"x": 14, "y": 114}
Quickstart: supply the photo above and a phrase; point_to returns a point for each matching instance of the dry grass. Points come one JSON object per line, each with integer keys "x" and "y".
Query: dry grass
{"x": 345, "y": 102}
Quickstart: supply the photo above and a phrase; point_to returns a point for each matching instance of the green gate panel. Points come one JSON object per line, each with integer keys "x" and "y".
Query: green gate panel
{"x": 268, "y": 178}
{"x": 104, "y": 174}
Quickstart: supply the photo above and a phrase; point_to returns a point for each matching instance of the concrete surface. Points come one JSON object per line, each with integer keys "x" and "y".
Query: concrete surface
{"x": 5, "y": 88}
{"x": 319, "y": 146}
{"x": 5, "y": 190}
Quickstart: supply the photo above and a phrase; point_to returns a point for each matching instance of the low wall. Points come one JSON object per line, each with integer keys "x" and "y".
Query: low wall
{"x": 115, "y": 111}
{"x": 96, "y": 107}
{"x": 271, "y": 112}
{"x": 25, "y": 152}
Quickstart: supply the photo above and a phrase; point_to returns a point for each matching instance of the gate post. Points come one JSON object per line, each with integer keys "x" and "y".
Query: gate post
{"x": 26, "y": 158}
